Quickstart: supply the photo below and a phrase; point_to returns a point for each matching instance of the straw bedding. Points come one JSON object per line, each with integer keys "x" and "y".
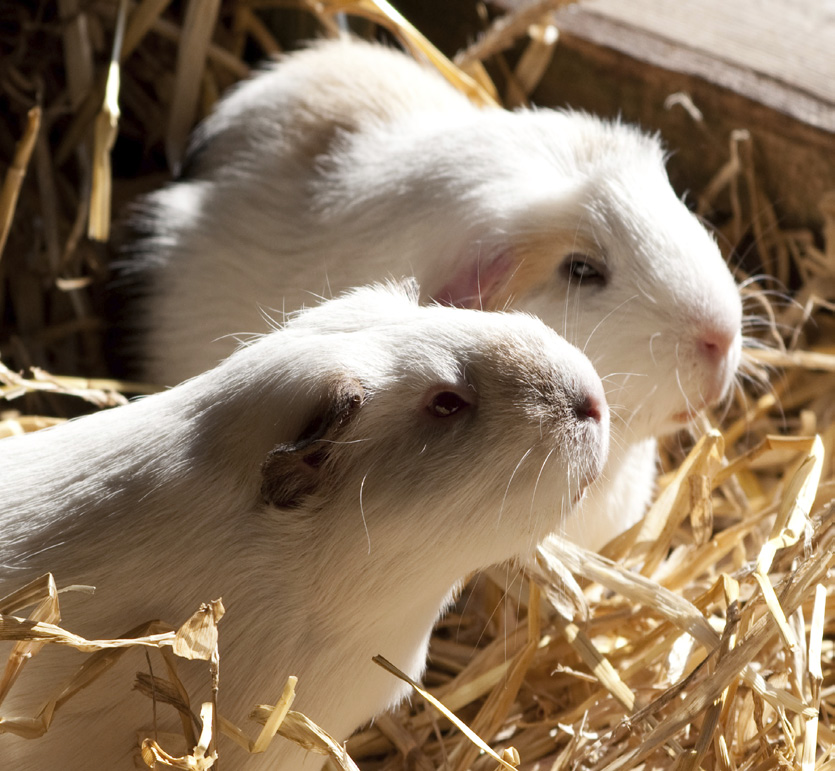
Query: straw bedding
{"x": 707, "y": 643}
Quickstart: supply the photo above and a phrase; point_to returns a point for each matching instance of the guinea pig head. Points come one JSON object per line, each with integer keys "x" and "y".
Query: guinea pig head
{"x": 478, "y": 431}
{"x": 605, "y": 253}
{"x": 669, "y": 319}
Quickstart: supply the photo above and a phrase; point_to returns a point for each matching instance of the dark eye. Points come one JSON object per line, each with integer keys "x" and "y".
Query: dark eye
{"x": 581, "y": 269}
{"x": 446, "y": 403}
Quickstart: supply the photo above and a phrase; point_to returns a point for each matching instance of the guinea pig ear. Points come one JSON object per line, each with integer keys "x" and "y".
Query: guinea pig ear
{"x": 292, "y": 471}
{"x": 480, "y": 282}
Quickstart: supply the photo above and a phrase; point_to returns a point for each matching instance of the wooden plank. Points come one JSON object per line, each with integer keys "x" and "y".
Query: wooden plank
{"x": 767, "y": 66}
{"x": 780, "y": 53}
{"x": 612, "y": 70}
{"x": 791, "y": 41}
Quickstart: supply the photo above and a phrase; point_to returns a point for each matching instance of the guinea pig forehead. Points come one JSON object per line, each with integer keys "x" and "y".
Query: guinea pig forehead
{"x": 447, "y": 366}
{"x": 575, "y": 219}
{"x": 653, "y": 222}
{"x": 637, "y": 219}
{"x": 423, "y": 353}
{"x": 510, "y": 355}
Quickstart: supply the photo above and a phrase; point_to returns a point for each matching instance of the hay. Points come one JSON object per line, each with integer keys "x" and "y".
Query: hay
{"x": 707, "y": 643}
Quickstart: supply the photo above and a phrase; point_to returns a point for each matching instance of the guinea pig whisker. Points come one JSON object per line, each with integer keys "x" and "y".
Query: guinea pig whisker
{"x": 243, "y": 339}
{"x": 568, "y": 297}
{"x": 478, "y": 283}
{"x": 768, "y": 387}
{"x": 687, "y": 401}
{"x": 651, "y": 352}
{"x": 742, "y": 397}
{"x": 576, "y": 295}
{"x": 744, "y": 287}
{"x": 639, "y": 407}
{"x": 758, "y": 375}
{"x": 606, "y": 378}
{"x": 772, "y": 228}
{"x": 509, "y": 582}
{"x": 318, "y": 297}
{"x": 599, "y": 323}
{"x": 756, "y": 285}
{"x": 618, "y": 387}
{"x": 536, "y": 484}
{"x": 362, "y": 513}
{"x": 759, "y": 322}
{"x": 344, "y": 441}
{"x": 767, "y": 320}
{"x": 272, "y": 323}
{"x": 467, "y": 597}
{"x": 748, "y": 359}
{"x": 509, "y": 481}
{"x": 763, "y": 299}
{"x": 739, "y": 390}
{"x": 772, "y": 300}
{"x": 727, "y": 401}
{"x": 36, "y": 552}
{"x": 615, "y": 406}
{"x": 616, "y": 441}
{"x": 647, "y": 295}
{"x": 618, "y": 411}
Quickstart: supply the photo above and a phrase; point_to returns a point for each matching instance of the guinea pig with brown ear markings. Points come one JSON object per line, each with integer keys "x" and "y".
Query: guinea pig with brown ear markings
{"x": 333, "y": 481}
{"x": 349, "y": 162}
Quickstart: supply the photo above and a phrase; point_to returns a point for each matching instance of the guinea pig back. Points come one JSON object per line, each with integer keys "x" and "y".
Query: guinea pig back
{"x": 333, "y": 481}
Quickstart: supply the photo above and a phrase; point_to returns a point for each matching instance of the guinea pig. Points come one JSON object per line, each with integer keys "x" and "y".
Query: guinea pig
{"x": 334, "y": 481}
{"x": 349, "y": 162}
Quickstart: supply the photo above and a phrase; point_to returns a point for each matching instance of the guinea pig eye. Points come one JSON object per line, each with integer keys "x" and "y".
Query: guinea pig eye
{"x": 446, "y": 403}
{"x": 581, "y": 269}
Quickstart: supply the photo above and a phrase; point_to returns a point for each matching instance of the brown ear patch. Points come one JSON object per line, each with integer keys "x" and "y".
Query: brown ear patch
{"x": 493, "y": 281}
{"x": 292, "y": 471}
{"x": 537, "y": 258}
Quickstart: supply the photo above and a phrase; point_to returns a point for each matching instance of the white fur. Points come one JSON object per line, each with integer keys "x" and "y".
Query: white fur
{"x": 348, "y": 163}
{"x": 159, "y": 504}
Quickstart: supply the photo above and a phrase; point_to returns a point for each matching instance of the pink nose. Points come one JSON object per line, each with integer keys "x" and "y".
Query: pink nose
{"x": 714, "y": 343}
{"x": 589, "y": 408}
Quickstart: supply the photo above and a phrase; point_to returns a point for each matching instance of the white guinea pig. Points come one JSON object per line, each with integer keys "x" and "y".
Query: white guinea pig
{"x": 333, "y": 481}
{"x": 348, "y": 162}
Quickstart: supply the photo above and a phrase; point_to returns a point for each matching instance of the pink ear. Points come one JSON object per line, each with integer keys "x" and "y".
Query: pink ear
{"x": 477, "y": 281}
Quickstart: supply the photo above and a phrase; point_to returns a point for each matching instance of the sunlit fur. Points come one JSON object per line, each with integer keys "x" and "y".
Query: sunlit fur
{"x": 158, "y": 505}
{"x": 347, "y": 163}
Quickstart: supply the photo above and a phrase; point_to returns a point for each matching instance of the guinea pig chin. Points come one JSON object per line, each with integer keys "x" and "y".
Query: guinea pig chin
{"x": 681, "y": 385}
{"x": 710, "y": 389}
{"x": 716, "y": 389}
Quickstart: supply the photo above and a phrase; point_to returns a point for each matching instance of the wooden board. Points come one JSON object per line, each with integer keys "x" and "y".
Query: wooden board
{"x": 739, "y": 64}
{"x": 778, "y": 52}
{"x": 767, "y": 66}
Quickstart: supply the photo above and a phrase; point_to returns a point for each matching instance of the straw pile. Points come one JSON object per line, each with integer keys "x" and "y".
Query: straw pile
{"x": 708, "y": 643}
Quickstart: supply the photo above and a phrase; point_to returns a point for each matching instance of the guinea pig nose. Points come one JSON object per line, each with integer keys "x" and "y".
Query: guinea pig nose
{"x": 588, "y": 407}
{"x": 714, "y": 343}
